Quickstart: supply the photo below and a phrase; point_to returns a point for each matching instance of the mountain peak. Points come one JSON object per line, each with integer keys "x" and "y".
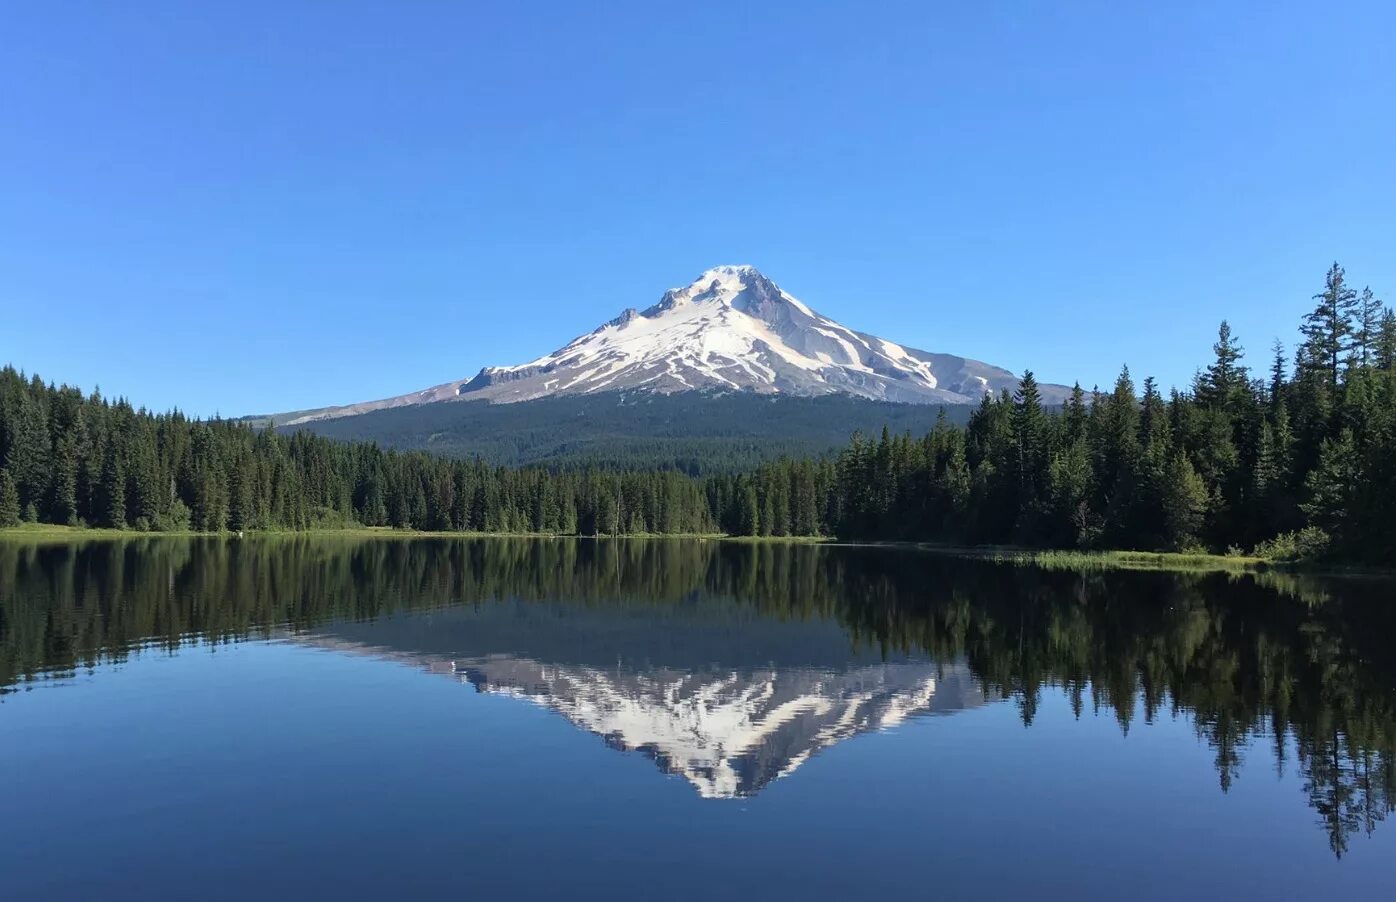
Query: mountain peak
{"x": 726, "y": 271}
{"x": 723, "y": 286}
{"x": 732, "y": 328}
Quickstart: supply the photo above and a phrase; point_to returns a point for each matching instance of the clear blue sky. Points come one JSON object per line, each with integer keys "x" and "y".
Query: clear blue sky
{"x": 245, "y": 207}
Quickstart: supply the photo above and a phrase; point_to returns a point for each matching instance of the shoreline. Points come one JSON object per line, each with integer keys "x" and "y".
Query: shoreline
{"x": 1113, "y": 559}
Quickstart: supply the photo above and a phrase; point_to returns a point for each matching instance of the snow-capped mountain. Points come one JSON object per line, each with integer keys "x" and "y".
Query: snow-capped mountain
{"x": 728, "y": 732}
{"x": 724, "y": 696}
{"x": 732, "y": 328}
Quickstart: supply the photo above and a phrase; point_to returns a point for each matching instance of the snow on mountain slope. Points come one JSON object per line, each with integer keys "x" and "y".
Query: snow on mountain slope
{"x": 728, "y": 732}
{"x": 730, "y": 329}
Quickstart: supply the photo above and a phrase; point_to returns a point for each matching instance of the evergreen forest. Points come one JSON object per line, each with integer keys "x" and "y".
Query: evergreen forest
{"x": 1292, "y": 459}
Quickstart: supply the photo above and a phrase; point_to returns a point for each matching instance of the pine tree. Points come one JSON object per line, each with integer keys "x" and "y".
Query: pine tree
{"x": 1369, "y": 312}
{"x": 1069, "y": 484}
{"x": 9, "y": 500}
{"x": 780, "y": 501}
{"x": 1184, "y": 504}
{"x": 241, "y": 506}
{"x": 1153, "y": 420}
{"x": 1114, "y": 441}
{"x": 1075, "y": 415}
{"x": 113, "y": 492}
{"x": 1271, "y": 479}
{"x": 1328, "y": 328}
{"x": 1266, "y": 474}
{"x": 1386, "y": 343}
{"x": 1225, "y": 376}
{"x": 749, "y": 511}
{"x": 1030, "y": 448}
{"x": 1330, "y": 484}
{"x": 64, "y": 505}
{"x": 28, "y": 459}
{"x": 1279, "y": 374}
{"x": 145, "y": 484}
{"x": 956, "y": 485}
{"x": 767, "y": 522}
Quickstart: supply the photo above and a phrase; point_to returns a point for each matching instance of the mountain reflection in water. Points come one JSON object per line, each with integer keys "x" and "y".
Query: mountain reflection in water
{"x": 731, "y": 664}
{"x": 728, "y": 728}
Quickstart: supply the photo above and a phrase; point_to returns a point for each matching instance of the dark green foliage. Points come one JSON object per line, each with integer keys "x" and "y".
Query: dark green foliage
{"x": 697, "y": 433}
{"x": 1221, "y": 467}
{"x": 64, "y": 506}
{"x": 1328, "y": 330}
{"x": 1028, "y": 462}
{"x": 110, "y": 465}
{"x": 9, "y": 500}
{"x": 28, "y": 444}
{"x": 1386, "y": 343}
{"x": 1330, "y": 485}
{"x": 1225, "y": 379}
{"x": 1367, "y": 328}
{"x": 113, "y": 491}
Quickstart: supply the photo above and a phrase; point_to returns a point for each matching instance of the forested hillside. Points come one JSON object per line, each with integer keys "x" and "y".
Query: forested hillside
{"x": 698, "y": 433}
{"x": 1299, "y": 460}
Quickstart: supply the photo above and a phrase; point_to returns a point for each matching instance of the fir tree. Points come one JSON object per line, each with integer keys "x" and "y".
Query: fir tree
{"x": 64, "y": 506}
{"x": 1386, "y": 343}
{"x": 1225, "y": 377}
{"x": 1328, "y": 328}
{"x": 1075, "y": 415}
{"x": 1069, "y": 484}
{"x": 1030, "y": 441}
{"x": 9, "y": 500}
{"x": 1367, "y": 339}
{"x": 1278, "y": 374}
{"x": 1115, "y": 450}
{"x": 1153, "y": 420}
{"x": 241, "y": 506}
{"x": 1184, "y": 503}
{"x": 144, "y": 478}
{"x": 1329, "y": 486}
{"x": 956, "y": 485}
{"x": 749, "y": 511}
{"x": 113, "y": 492}
{"x": 28, "y": 457}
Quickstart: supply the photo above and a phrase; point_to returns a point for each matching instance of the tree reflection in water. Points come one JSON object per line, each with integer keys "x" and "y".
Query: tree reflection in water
{"x": 1298, "y": 663}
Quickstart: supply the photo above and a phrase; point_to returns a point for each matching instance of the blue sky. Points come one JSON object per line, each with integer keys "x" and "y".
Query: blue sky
{"x": 247, "y": 207}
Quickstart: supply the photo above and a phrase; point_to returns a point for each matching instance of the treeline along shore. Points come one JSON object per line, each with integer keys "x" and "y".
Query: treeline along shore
{"x": 1293, "y": 460}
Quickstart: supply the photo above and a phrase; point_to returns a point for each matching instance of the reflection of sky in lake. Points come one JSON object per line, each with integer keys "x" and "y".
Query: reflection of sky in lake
{"x": 454, "y": 749}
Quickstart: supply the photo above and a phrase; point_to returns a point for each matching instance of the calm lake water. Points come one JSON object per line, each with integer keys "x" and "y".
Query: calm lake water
{"x": 540, "y": 719}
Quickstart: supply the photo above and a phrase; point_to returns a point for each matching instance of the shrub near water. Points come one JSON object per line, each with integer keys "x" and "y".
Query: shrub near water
{"x": 1307, "y": 544}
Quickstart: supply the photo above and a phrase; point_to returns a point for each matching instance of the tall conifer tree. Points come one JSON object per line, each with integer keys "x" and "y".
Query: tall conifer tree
{"x": 113, "y": 491}
{"x": 1328, "y": 328}
{"x": 9, "y": 500}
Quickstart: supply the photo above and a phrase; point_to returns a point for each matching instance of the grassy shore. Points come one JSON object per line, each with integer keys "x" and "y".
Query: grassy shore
{"x": 1057, "y": 559}
{"x": 44, "y": 533}
{"x": 48, "y": 532}
{"x": 1183, "y": 562}
{"x": 1133, "y": 560}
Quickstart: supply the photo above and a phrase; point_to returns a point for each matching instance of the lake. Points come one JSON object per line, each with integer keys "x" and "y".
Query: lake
{"x": 682, "y": 719}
